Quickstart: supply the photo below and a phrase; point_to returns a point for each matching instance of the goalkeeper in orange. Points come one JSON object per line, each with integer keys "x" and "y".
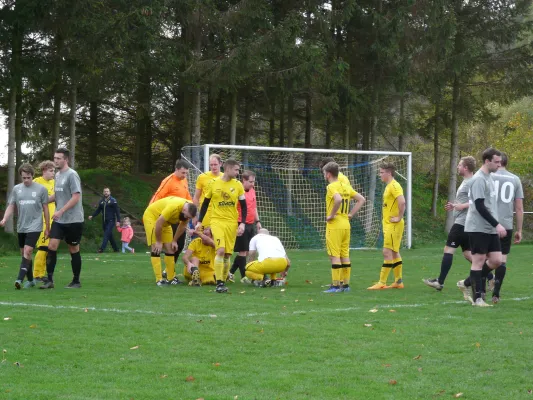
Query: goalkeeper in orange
{"x": 393, "y": 224}
{"x": 223, "y": 194}
{"x": 338, "y": 197}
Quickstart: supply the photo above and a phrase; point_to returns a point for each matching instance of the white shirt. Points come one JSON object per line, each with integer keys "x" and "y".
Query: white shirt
{"x": 267, "y": 247}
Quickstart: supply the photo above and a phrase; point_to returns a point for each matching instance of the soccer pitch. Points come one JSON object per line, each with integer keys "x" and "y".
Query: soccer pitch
{"x": 121, "y": 337}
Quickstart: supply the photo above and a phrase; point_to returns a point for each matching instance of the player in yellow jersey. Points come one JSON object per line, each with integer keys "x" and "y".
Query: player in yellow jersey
{"x": 199, "y": 258}
{"x": 342, "y": 178}
{"x": 338, "y": 198}
{"x": 393, "y": 224}
{"x": 202, "y": 184}
{"x": 47, "y": 180}
{"x": 157, "y": 220}
{"x": 223, "y": 195}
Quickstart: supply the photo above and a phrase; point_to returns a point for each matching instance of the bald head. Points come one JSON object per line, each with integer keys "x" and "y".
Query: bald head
{"x": 264, "y": 231}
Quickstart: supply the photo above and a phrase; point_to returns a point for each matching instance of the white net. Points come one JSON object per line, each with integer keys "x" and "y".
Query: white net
{"x": 291, "y": 190}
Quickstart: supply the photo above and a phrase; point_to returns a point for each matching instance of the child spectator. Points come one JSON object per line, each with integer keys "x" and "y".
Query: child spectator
{"x": 127, "y": 235}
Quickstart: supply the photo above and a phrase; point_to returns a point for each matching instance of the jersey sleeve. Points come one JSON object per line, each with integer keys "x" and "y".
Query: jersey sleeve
{"x": 13, "y": 197}
{"x": 396, "y": 190}
{"x": 477, "y": 190}
{"x": 240, "y": 190}
{"x": 519, "y": 190}
{"x": 209, "y": 190}
{"x": 352, "y": 192}
{"x": 44, "y": 195}
{"x": 200, "y": 181}
{"x": 74, "y": 184}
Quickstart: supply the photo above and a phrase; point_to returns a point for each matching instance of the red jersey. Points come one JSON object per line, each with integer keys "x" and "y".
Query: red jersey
{"x": 251, "y": 207}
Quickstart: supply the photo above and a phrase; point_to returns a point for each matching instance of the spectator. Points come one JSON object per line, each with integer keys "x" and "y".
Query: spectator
{"x": 110, "y": 210}
{"x": 127, "y": 235}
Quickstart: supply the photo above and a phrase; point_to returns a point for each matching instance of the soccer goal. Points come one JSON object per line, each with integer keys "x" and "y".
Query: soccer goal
{"x": 291, "y": 189}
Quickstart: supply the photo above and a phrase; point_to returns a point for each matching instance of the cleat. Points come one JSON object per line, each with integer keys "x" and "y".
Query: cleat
{"x": 29, "y": 284}
{"x": 175, "y": 281}
{"x": 195, "y": 281}
{"x": 278, "y": 282}
{"x": 164, "y": 274}
{"x": 99, "y": 251}
{"x": 39, "y": 279}
{"x": 467, "y": 295}
{"x": 434, "y": 283}
{"x": 268, "y": 282}
{"x": 221, "y": 288}
{"x": 259, "y": 283}
{"x": 47, "y": 285}
{"x": 481, "y": 303}
{"x": 346, "y": 289}
{"x": 378, "y": 286}
{"x": 490, "y": 284}
{"x": 495, "y": 299}
{"x": 73, "y": 285}
{"x": 231, "y": 277}
{"x": 18, "y": 284}
{"x": 162, "y": 282}
{"x": 333, "y": 289}
{"x": 396, "y": 285}
{"x": 246, "y": 280}
{"x": 132, "y": 250}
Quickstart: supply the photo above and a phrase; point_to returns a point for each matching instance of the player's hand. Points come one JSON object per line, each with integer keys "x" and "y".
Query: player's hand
{"x": 502, "y": 232}
{"x": 198, "y": 226}
{"x": 190, "y": 266}
{"x": 258, "y": 225}
{"x": 174, "y": 246}
{"x": 90, "y": 217}
{"x": 395, "y": 219}
{"x": 517, "y": 237}
{"x": 3, "y": 222}
{"x": 158, "y": 246}
{"x": 57, "y": 215}
{"x": 449, "y": 206}
{"x": 117, "y": 224}
{"x": 191, "y": 232}
{"x": 350, "y": 216}
{"x": 329, "y": 218}
{"x": 240, "y": 229}
{"x": 46, "y": 233}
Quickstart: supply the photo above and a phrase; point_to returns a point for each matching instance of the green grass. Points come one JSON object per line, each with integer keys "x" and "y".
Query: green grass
{"x": 264, "y": 343}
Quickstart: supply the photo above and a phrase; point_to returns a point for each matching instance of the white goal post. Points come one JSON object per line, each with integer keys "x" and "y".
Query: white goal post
{"x": 291, "y": 189}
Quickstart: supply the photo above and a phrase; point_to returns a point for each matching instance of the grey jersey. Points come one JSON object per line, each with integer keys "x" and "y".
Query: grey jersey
{"x": 66, "y": 184}
{"x": 508, "y": 188}
{"x": 459, "y": 216}
{"x": 481, "y": 187}
{"x": 29, "y": 201}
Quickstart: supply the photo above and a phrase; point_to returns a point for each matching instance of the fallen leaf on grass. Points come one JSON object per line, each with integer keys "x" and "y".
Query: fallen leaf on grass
{"x": 216, "y": 364}
{"x": 374, "y": 310}
{"x": 33, "y": 326}
{"x": 529, "y": 391}
{"x": 393, "y": 382}
{"x": 386, "y": 365}
{"x": 134, "y": 348}
{"x": 457, "y": 395}
{"x": 296, "y": 301}
{"x": 7, "y": 318}
{"x": 394, "y": 331}
{"x": 86, "y": 310}
{"x": 163, "y": 376}
{"x": 190, "y": 378}
{"x": 309, "y": 282}
{"x": 212, "y": 315}
{"x": 199, "y": 320}
{"x": 419, "y": 369}
{"x": 282, "y": 290}
{"x": 262, "y": 330}
{"x": 368, "y": 325}
{"x": 236, "y": 398}
{"x": 478, "y": 345}
{"x": 17, "y": 364}
{"x": 418, "y": 357}
{"x": 244, "y": 291}
{"x": 392, "y": 310}
{"x": 310, "y": 300}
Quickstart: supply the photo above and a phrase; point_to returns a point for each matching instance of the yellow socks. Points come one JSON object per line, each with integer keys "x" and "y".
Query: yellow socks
{"x": 397, "y": 267}
{"x": 346, "y": 273}
{"x": 385, "y": 271}
{"x": 156, "y": 265}
{"x": 169, "y": 265}
{"x": 219, "y": 269}
{"x": 39, "y": 265}
{"x": 226, "y": 269}
{"x": 336, "y": 274}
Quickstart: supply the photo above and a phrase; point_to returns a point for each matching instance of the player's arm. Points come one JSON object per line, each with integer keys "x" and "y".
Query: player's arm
{"x": 252, "y": 255}
{"x": 519, "y": 209}
{"x": 284, "y": 273}
{"x": 257, "y": 220}
{"x": 52, "y": 198}
{"x": 97, "y": 211}
{"x": 71, "y": 203}
{"x": 46, "y": 220}
{"x": 456, "y": 206}
{"x": 337, "y": 201}
{"x": 401, "y": 209}
{"x": 9, "y": 212}
{"x": 180, "y": 231}
{"x": 482, "y": 210}
{"x": 203, "y": 211}
{"x": 360, "y": 200}
{"x": 196, "y": 198}
{"x": 206, "y": 239}
{"x": 189, "y": 260}
{"x": 244, "y": 214}
{"x": 158, "y": 230}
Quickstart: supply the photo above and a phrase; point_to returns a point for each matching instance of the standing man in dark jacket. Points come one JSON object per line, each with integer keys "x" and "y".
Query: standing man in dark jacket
{"x": 110, "y": 210}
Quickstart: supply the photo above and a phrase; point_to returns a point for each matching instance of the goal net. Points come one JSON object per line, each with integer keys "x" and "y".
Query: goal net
{"x": 291, "y": 189}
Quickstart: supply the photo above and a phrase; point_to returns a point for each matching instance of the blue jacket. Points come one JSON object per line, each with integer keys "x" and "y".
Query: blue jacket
{"x": 109, "y": 209}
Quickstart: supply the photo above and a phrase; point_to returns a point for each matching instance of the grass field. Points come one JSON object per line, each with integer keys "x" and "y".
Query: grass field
{"x": 121, "y": 337}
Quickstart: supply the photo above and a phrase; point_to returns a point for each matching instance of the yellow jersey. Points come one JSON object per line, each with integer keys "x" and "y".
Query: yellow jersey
{"x": 224, "y": 199}
{"x": 203, "y": 253}
{"x": 203, "y": 181}
{"x": 343, "y": 179}
{"x": 169, "y": 208}
{"x": 49, "y": 185}
{"x": 390, "y": 204}
{"x": 346, "y": 192}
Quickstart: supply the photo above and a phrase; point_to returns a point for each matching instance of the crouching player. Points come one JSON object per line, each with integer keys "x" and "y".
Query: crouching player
{"x": 199, "y": 258}
{"x": 271, "y": 258}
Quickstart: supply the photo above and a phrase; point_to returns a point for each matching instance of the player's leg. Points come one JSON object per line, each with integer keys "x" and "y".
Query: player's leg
{"x": 230, "y": 236}
{"x": 242, "y": 244}
{"x": 388, "y": 245}
{"x": 254, "y": 271}
{"x": 499, "y": 274}
{"x": 271, "y": 266}
{"x": 480, "y": 244}
{"x": 24, "y": 262}
{"x": 217, "y": 229}
{"x": 39, "y": 264}
{"x": 56, "y": 235}
{"x": 346, "y": 271}
{"x": 397, "y": 262}
{"x": 333, "y": 248}
{"x": 155, "y": 258}
{"x": 207, "y": 275}
{"x": 73, "y": 236}
{"x": 29, "y": 245}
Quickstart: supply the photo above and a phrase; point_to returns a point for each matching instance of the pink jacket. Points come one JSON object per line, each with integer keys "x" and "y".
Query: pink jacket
{"x": 127, "y": 233}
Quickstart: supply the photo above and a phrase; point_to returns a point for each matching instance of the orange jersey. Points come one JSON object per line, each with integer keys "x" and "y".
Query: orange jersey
{"x": 172, "y": 186}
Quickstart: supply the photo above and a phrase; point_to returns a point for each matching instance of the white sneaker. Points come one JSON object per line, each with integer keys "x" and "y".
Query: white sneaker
{"x": 434, "y": 283}
{"x": 481, "y": 303}
{"x": 246, "y": 280}
{"x": 231, "y": 277}
{"x": 467, "y": 295}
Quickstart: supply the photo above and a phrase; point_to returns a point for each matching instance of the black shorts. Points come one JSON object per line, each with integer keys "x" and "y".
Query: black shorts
{"x": 458, "y": 237}
{"x": 484, "y": 243}
{"x": 71, "y": 233}
{"x": 243, "y": 242}
{"x": 505, "y": 242}
{"x": 28, "y": 239}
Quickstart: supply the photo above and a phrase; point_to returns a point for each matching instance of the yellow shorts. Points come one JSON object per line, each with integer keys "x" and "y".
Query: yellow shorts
{"x": 207, "y": 274}
{"x": 257, "y": 269}
{"x": 149, "y": 228}
{"x": 392, "y": 236}
{"x": 42, "y": 242}
{"x": 224, "y": 235}
{"x": 338, "y": 242}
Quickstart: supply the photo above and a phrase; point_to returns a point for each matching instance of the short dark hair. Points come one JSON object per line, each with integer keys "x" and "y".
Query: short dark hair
{"x": 469, "y": 162}
{"x": 505, "y": 159}
{"x": 332, "y": 167}
{"x": 230, "y": 162}
{"x": 192, "y": 209}
{"x": 64, "y": 151}
{"x": 27, "y": 168}
{"x": 247, "y": 175}
{"x": 388, "y": 166}
{"x": 182, "y": 164}
{"x": 324, "y": 161}
{"x": 489, "y": 153}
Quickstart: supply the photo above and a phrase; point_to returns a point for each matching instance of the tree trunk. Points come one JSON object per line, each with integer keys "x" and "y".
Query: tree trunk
{"x": 247, "y": 121}
{"x": 18, "y": 125}
{"x": 366, "y": 133}
{"x": 143, "y": 142}
{"x": 290, "y": 130}
{"x": 233, "y": 127}
{"x": 308, "y": 110}
{"x": 72, "y": 124}
{"x": 402, "y": 123}
{"x": 327, "y": 132}
{"x": 218, "y": 123}
{"x": 282, "y": 122}
{"x": 454, "y": 151}
{"x": 209, "y": 122}
{"x": 272, "y": 123}
{"x": 93, "y": 134}
{"x": 58, "y": 92}
{"x": 436, "y": 159}
{"x": 196, "y": 117}
{"x": 11, "y": 150}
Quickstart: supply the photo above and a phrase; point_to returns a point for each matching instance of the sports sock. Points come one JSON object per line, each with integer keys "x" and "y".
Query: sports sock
{"x": 170, "y": 261}
{"x": 475, "y": 278}
{"x": 484, "y": 273}
{"x": 29, "y": 274}
{"x": 239, "y": 263}
{"x": 40, "y": 262}
{"x": 75, "y": 262}
{"x": 51, "y": 260}
{"x": 500, "y": 275}
{"x": 346, "y": 274}
{"x": 156, "y": 265}
{"x": 445, "y": 266}
{"x": 397, "y": 267}
{"x": 467, "y": 281}
{"x": 219, "y": 269}
{"x": 336, "y": 270}
{"x": 385, "y": 271}
{"x": 226, "y": 268}
{"x": 23, "y": 269}
{"x": 490, "y": 276}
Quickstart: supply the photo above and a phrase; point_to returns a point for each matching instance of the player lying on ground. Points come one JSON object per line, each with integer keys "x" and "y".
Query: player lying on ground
{"x": 199, "y": 258}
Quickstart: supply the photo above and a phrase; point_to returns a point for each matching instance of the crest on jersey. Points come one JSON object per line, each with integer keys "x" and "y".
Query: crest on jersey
{"x": 231, "y": 190}
{"x": 63, "y": 181}
{"x": 226, "y": 196}
{"x": 33, "y": 194}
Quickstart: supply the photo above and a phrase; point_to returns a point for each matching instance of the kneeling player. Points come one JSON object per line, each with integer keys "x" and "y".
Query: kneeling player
{"x": 198, "y": 260}
{"x": 157, "y": 219}
{"x": 271, "y": 258}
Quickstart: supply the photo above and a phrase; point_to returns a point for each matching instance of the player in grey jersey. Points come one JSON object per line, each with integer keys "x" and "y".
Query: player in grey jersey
{"x": 68, "y": 219}
{"x": 457, "y": 235}
{"x": 31, "y": 201}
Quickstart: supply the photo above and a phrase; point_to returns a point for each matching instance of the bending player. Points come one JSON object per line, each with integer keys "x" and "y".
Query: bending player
{"x": 198, "y": 260}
